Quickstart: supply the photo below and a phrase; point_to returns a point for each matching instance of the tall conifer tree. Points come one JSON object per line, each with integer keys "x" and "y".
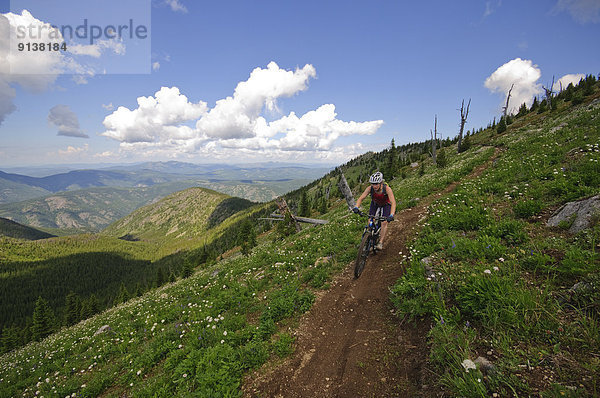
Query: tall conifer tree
{"x": 390, "y": 162}
{"x": 43, "y": 320}
{"x": 73, "y": 309}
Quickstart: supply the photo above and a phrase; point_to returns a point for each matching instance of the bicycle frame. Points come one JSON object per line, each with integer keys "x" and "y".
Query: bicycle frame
{"x": 369, "y": 240}
{"x": 373, "y": 227}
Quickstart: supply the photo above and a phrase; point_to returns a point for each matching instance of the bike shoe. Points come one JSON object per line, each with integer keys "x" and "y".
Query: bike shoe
{"x": 379, "y": 246}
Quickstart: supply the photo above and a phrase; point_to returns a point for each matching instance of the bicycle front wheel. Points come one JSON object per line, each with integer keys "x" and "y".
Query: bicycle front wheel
{"x": 363, "y": 253}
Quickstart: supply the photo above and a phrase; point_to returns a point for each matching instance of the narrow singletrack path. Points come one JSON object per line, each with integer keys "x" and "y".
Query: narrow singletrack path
{"x": 350, "y": 344}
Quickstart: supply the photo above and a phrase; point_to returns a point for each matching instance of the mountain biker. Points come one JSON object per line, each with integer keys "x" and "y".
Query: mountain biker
{"x": 381, "y": 197}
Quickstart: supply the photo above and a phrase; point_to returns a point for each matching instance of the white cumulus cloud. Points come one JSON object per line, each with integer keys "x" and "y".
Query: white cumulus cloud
{"x": 317, "y": 130}
{"x": 564, "y": 81}
{"x": 159, "y": 118}
{"x": 523, "y": 74}
{"x": 62, "y": 117}
{"x": 35, "y": 71}
{"x": 164, "y": 123}
{"x": 238, "y": 116}
{"x": 32, "y": 70}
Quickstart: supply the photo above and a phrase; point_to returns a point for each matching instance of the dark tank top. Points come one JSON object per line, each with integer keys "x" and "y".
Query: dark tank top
{"x": 380, "y": 198}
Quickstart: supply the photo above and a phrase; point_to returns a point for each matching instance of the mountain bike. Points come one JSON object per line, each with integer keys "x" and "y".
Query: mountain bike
{"x": 368, "y": 243}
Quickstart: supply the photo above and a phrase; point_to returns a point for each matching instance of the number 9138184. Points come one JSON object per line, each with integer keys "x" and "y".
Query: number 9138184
{"x": 42, "y": 46}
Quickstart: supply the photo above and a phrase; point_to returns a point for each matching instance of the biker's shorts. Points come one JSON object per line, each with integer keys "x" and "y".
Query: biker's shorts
{"x": 374, "y": 207}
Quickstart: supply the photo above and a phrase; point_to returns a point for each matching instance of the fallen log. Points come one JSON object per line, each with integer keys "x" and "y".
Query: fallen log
{"x": 279, "y": 217}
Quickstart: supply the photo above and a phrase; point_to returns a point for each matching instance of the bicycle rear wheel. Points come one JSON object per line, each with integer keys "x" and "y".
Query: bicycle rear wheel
{"x": 363, "y": 253}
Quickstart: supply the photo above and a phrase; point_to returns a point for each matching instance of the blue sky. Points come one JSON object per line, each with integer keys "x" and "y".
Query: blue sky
{"x": 244, "y": 81}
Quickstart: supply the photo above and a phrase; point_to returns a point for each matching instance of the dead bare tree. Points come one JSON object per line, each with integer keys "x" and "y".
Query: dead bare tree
{"x": 284, "y": 209}
{"x": 549, "y": 92}
{"x": 434, "y": 142}
{"x": 403, "y": 156}
{"x": 346, "y": 191}
{"x": 505, "y": 108}
{"x": 464, "y": 113}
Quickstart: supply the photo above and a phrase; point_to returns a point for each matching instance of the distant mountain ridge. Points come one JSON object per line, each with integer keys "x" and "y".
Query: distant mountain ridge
{"x": 12, "y": 191}
{"x": 19, "y": 187}
{"x": 79, "y": 179}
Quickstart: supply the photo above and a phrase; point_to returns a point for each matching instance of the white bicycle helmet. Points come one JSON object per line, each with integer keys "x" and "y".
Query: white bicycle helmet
{"x": 376, "y": 178}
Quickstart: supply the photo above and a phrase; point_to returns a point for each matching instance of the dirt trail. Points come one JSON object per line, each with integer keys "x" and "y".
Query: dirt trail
{"x": 350, "y": 344}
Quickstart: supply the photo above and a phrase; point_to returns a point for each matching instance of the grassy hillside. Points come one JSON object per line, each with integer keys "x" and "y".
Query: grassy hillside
{"x": 200, "y": 334}
{"x": 181, "y": 215}
{"x": 504, "y": 284}
{"x": 15, "y": 230}
{"x": 499, "y": 283}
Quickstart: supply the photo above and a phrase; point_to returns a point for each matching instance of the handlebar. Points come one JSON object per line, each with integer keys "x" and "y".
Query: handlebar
{"x": 377, "y": 218}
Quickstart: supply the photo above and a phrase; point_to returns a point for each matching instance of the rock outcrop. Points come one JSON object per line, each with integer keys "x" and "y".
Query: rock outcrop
{"x": 579, "y": 214}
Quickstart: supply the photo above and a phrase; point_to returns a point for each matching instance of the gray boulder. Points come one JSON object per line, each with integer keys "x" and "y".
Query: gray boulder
{"x": 427, "y": 260}
{"x": 581, "y": 287}
{"x": 427, "y": 265}
{"x": 582, "y": 212}
{"x": 103, "y": 329}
